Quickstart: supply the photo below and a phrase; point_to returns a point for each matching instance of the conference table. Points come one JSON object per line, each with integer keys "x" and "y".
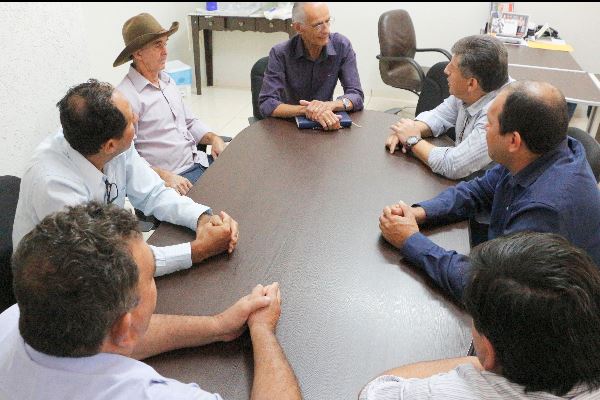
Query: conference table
{"x": 308, "y": 204}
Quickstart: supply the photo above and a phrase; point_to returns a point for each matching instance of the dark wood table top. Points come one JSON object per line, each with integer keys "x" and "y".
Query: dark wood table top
{"x": 577, "y": 87}
{"x": 308, "y": 204}
{"x": 523, "y": 55}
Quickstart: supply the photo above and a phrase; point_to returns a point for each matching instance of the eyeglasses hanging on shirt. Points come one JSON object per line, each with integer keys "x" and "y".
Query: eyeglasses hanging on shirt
{"x": 112, "y": 192}
{"x": 461, "y": 133}
{"x": 166, "y": 98}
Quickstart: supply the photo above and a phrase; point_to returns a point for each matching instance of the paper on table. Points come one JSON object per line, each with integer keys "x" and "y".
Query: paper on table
{"x": 549, "y": 45}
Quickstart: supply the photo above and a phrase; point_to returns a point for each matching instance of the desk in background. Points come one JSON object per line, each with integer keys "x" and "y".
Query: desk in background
{"x": 308, "y": 204}
{"x": 561, "y": 70}
{"x": 209, "y": 23}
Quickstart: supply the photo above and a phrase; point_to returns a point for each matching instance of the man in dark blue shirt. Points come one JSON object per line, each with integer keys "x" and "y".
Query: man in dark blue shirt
{"x": 543, "y": 183}
{"x": 302, "y": 72}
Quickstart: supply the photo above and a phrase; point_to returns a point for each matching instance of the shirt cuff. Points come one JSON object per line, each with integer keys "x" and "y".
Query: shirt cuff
{"x": 416, "y": 247}
{"x": 267, "y": 107}
{"x": 169, "y": 259}
{"x": 198, "y": 129}
{"x": 436, "y": 160}
{"x": 382, "y": 387}
{"x": 432, "y": 209}
{"x": 357, "y": 101}
{"x": 429, "y": 118}
{"x": 192, "y": 221}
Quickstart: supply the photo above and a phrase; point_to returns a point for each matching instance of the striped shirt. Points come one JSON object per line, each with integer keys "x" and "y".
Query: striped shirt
{"x": 464, "y": 382}
{"x": 470, "y": 152}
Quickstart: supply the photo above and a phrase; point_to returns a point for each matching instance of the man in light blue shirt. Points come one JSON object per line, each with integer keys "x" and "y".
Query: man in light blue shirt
{"x": 93, "y": 158}
{"x": 84, "y": 283}
{"x": 478, "y": 69}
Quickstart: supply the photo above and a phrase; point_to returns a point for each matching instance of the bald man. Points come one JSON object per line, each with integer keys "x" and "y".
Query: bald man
{"x": 302, "y": 72}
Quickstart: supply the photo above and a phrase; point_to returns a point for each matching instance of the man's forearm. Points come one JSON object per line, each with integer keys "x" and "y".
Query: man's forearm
{"x": 424, "y": 129}
{"x": 421, "y": 150}
{"x": 288, "y": 111}
{"x": 273, "y": 376}
{"x": 170, "y": 332}
{"x": 426, "y": 369}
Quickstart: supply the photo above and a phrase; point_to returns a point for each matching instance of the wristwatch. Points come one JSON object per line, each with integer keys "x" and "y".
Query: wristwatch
{"x": 346, "y": 102}
{"x": 411, "y": 141}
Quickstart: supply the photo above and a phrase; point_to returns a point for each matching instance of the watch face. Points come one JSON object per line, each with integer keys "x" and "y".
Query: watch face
{"x": 346, "y": 102}
{"x": 412, "y": 140}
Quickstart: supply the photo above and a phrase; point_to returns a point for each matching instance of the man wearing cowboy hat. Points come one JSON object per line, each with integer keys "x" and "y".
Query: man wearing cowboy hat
{"x": 167, "y": 133}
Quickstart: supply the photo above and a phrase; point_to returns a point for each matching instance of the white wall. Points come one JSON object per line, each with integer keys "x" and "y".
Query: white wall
{"x": 103, "y": 24}
{"x": 48, "y": 47}
{"x": 436, "y": 25}
{"x": 43, "y": 52}
{"x": 577, "y": 23}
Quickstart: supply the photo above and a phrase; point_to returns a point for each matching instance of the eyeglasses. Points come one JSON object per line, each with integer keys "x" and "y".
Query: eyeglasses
{"x": 109, "y": 192}
{"x": 321, "y": 25}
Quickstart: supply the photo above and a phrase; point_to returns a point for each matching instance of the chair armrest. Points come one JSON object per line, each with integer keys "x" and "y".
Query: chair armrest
{"x": 202, "y": 147}
{"x": 408, "y": 60}
{"x": 444, "y": 52}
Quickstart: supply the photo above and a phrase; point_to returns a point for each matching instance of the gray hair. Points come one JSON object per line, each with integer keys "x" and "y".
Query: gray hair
{"x": 73, "y": 277}
{"x": 298, "y": 13}
{"x": 484, "y": 58}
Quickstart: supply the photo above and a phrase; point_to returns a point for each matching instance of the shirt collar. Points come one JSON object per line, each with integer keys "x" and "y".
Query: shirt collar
{"x": 486, "y": 99}
{"x": 139, "y": 81}
{"x": 85, "y": 168}
{"x": 299, "y": 51}
{"x": 530, "y": 173}
{"x": 97, "y": 363}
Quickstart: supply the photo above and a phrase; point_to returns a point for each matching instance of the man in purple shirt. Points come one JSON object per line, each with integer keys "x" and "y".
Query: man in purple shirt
{"x": 302, "y": 72}
{"x": 167, "y": 133}
{"x": 543, "y": 183}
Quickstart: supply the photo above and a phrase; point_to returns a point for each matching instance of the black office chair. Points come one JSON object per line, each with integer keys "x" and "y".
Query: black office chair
{"x": 9, "y": 196}
{"x": 398, "y": 45}
{"x": 257, "y": 74}
{"x": 591, "y": 146}
{"x": 434, "y": 89}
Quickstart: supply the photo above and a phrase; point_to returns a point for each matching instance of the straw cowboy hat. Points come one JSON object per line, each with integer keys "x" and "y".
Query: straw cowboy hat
{"x": 139, "y": 31}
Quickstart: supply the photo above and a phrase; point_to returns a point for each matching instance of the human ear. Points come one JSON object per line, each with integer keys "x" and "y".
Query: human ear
{"x": 515, "y": 141}
{"x": 122, "y": 335}
{"x": 109, "y": 147}
{"x": 488, "y": 358}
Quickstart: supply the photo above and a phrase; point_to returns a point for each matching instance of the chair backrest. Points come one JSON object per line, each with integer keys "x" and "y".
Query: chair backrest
{"x": 397, "y": 39}
{"x": 435, "y": 88}
{"x": 434, "y": 92}
{"x": 397, "y": 34}
{"x": 256, "y": 79}
{"x": 591, "y": 146}
{"x": 9, "y": 195}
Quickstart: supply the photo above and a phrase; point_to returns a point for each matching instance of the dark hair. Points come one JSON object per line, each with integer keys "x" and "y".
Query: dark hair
{"x": 484, "y": 58}
{"x": 538, "y": 111}
{"x": 89, "y": 117}
{"x": 537, "y": 299}
{"x": 73, "y": 277}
